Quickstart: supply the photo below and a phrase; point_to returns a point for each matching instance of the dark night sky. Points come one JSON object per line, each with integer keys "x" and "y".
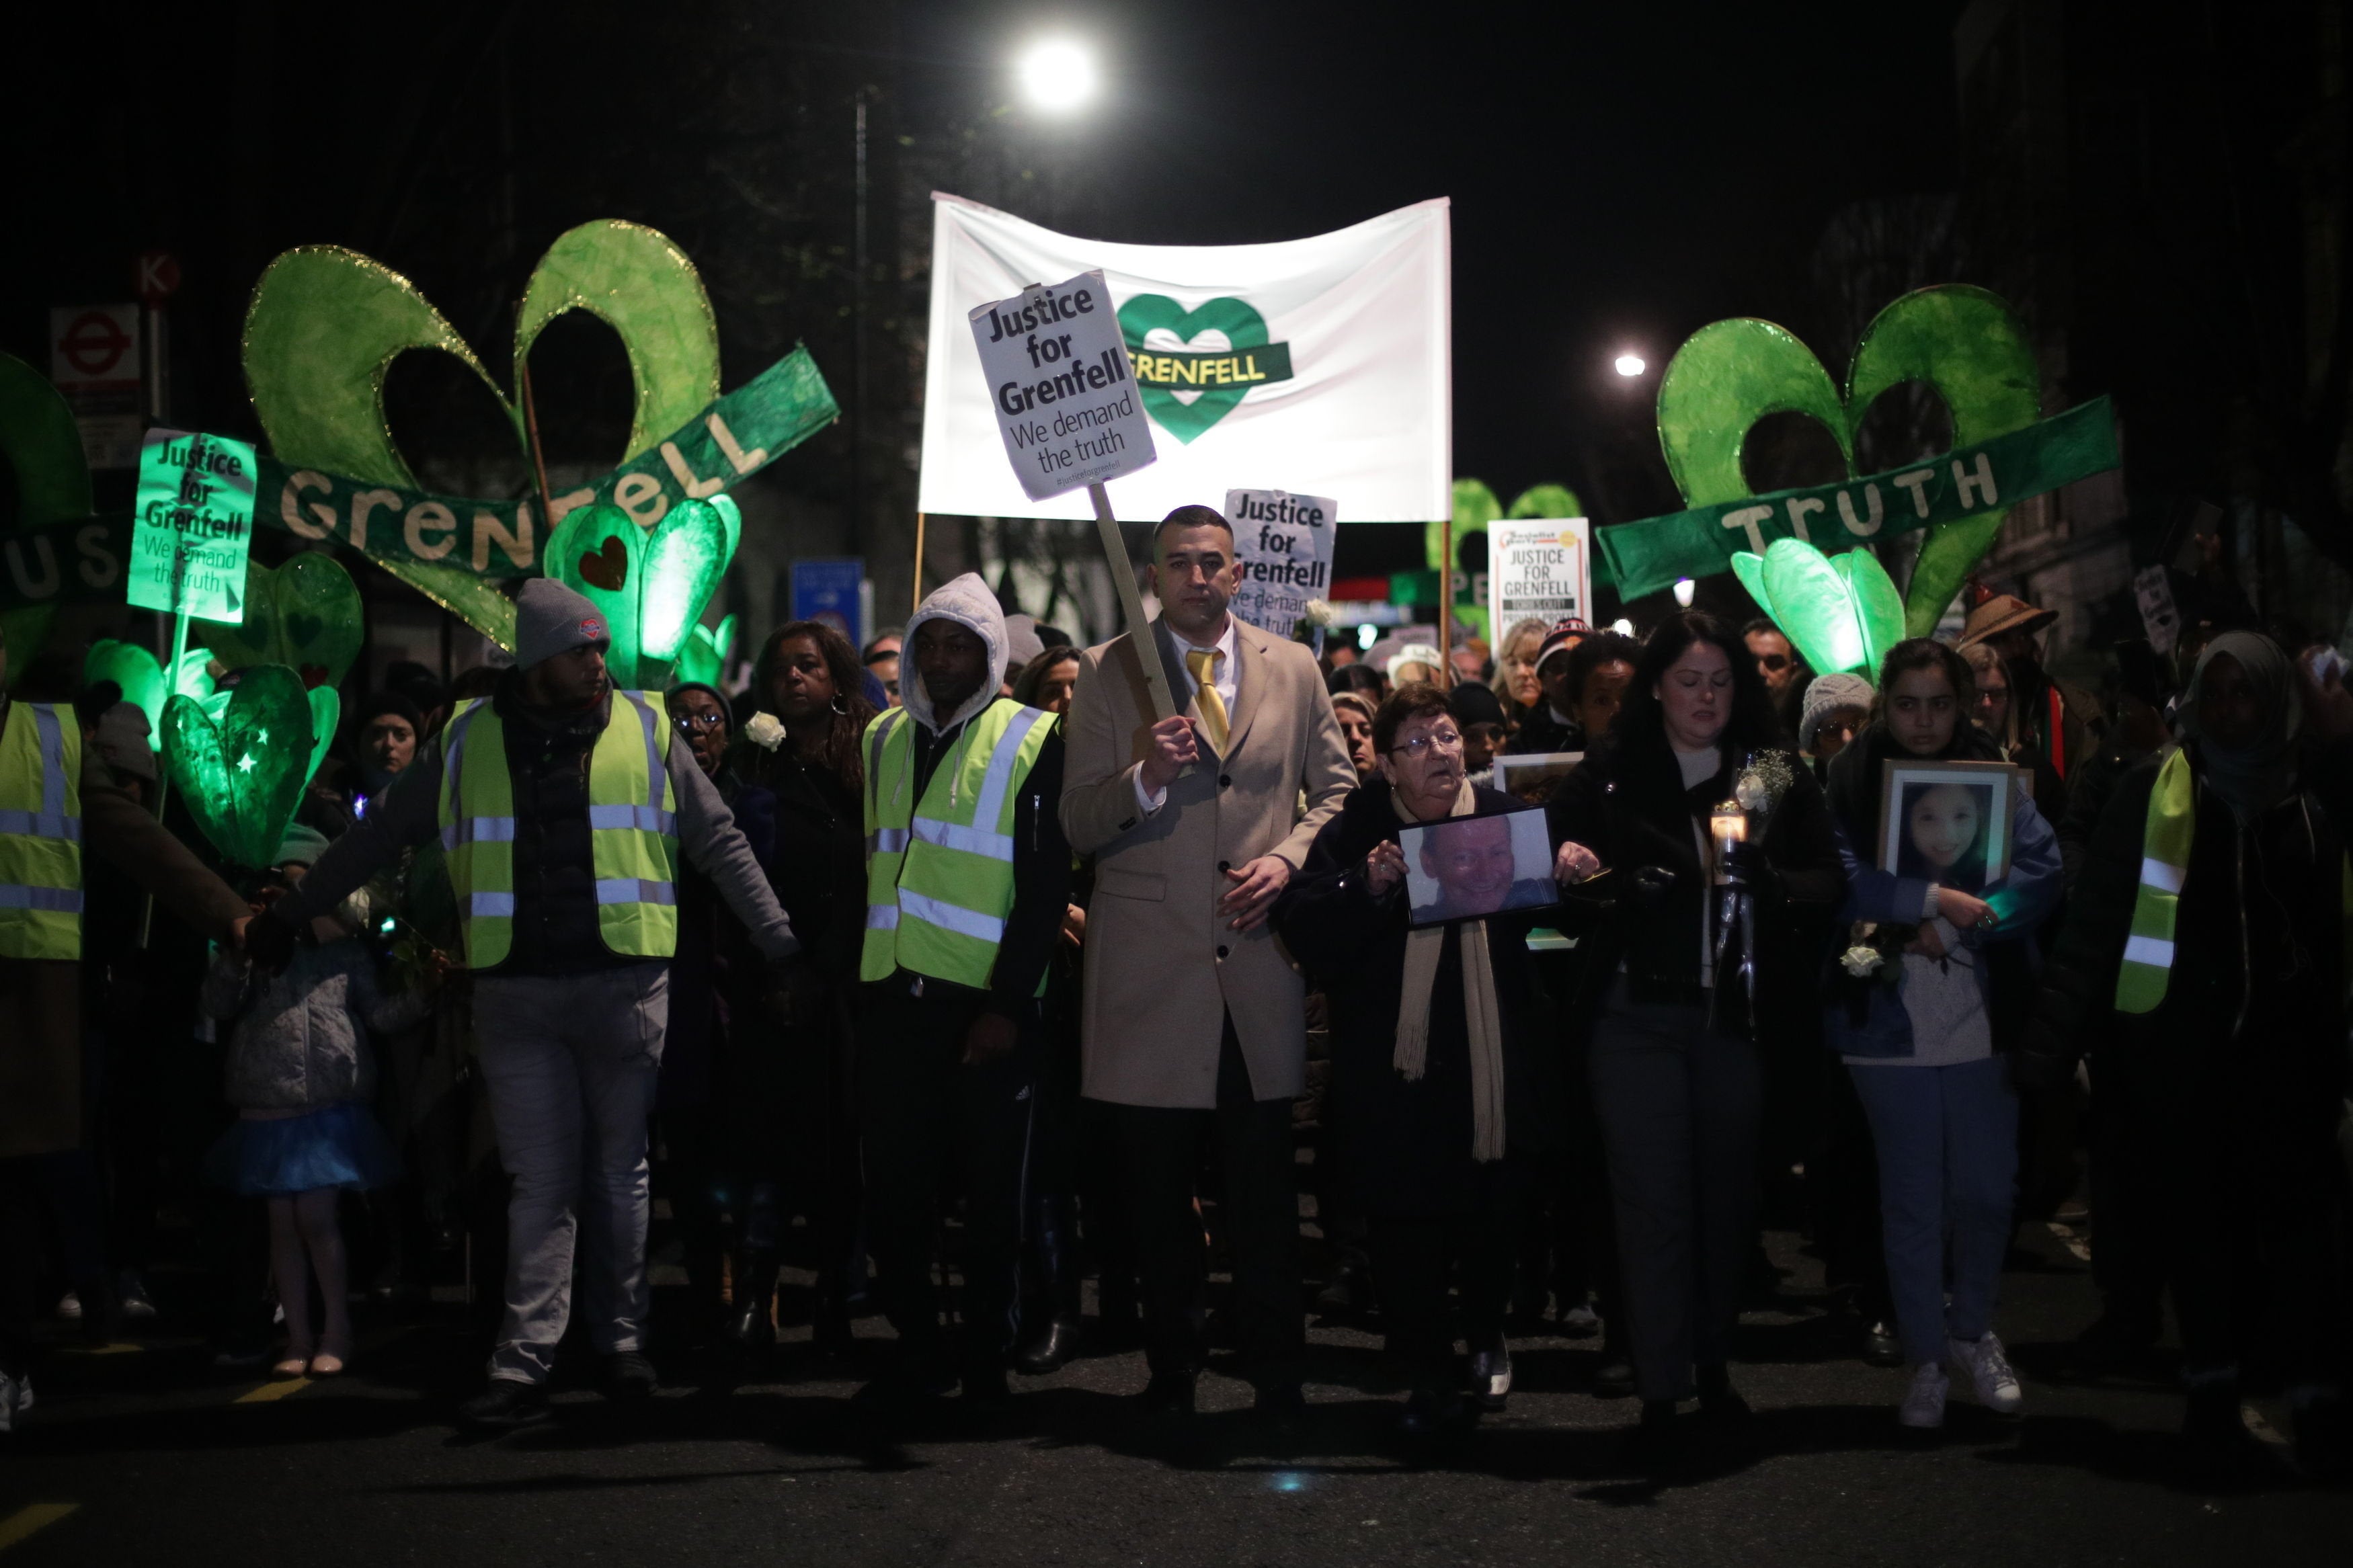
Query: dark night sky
{"x": 1619, "y": 174}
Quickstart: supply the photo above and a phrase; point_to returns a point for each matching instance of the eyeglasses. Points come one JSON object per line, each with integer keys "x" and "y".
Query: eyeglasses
{"x": 1421, "y": 746}
{"x": 688, "y": 723}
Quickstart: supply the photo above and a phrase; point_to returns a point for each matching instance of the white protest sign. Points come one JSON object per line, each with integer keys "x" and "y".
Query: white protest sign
{"x": 1540, "y": 568}
{"x": 192, "y": 524}
{"x": 1059, "y": 382}
{"x": 1283, "y": 543}
{"x": 2153, "y": 592}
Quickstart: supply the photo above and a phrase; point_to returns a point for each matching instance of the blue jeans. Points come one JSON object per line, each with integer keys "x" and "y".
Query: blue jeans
{"x": 1948, "y": 1143}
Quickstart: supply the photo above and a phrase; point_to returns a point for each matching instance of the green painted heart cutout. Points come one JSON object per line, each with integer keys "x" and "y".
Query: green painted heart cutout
{"x": 1962, "y": 342}
{"x": 1842, "y": 612}
{"x": 326, "y": 323}
{"x": 140, "y": 676}
{"x": 704, "y": 656}
{"x": 1243, "y": 328}
{"x": 242, "y": 770}
{"x": 649, "y": 584}
{"x": 306, "y": 615}
{"x": 43, "y": 447}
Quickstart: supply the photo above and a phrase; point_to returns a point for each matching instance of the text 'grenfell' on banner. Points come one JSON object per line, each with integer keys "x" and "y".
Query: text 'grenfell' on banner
{"x": 1647, "y": 556}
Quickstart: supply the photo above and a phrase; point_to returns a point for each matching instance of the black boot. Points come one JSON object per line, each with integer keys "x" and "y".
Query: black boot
{"x": 1056, "y": 1281}
{"x": 752, "y": 1324}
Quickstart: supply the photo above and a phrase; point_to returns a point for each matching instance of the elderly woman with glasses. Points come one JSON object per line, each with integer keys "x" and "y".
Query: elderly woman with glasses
{"x": 1439, "y": 1095}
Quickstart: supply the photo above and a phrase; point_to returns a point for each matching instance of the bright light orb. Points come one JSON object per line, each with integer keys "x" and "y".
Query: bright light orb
{"x": 1685, "y": 589}
{"x": 1057, "y": 76}
{"x": 1630, "y": 364}
{"x": 1624, "y": 628}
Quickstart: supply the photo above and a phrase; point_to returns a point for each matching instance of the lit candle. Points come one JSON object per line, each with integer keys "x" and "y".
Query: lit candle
{"x": 1728, "y": 824}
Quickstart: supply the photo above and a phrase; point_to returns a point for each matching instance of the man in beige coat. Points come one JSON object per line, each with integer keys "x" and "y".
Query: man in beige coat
{"x": 1194, "y": 1018}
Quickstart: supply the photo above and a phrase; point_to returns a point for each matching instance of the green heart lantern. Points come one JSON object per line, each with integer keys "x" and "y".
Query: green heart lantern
{"x": 326, "y": 323}
{"x": 242, "y": 766}
{"x": 649, "y": 584}
{"x": 1843, "y": 611}
{"x": 1236, "y": 319}
{"x": 1963, "y": 343}
{"x": 140, "y": 676}
{"x": 43, "y": 448}
{"x": 306, "y": 615}
{"x": 705, "y": 656}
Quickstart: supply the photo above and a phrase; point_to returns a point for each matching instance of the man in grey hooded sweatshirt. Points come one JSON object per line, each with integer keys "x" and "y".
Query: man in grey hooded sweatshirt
{"x": 968, "y": 873}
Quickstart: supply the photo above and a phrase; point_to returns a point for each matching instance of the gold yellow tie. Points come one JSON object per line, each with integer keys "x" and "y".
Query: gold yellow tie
{"x": 1199, "y": 662}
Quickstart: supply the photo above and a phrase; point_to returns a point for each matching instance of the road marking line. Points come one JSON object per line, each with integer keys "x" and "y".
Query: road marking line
{"x": 278, "y": 1388}
{"x": 2263, "y": 1430}
{"x": 118, "y": 1347}
{"x": 2074, "y": 1243}
{"x": 26, "y": 1520}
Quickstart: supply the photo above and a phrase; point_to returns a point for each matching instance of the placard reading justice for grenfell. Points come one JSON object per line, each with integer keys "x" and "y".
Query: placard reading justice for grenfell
{"x": 191, "y": 525}
{"x": 1283, "y": 543}
{"x": 1060, "y": 381}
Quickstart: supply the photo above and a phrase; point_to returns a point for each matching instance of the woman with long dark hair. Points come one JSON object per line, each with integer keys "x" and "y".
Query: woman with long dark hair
{"x": 1929, "y": 1054}
{"x": 793, "y": 1129}
{"x": 1673, "y": 1060}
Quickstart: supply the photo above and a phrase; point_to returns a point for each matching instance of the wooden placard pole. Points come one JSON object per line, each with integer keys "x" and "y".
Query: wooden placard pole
{"x": 1131, "y": 604}
{"x": 164, "y": 772}
{"x": 919, "y": 564}
{"x": 1446, "y": 606}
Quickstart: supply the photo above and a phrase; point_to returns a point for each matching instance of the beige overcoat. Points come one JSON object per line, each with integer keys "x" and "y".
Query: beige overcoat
{"x": 1161, "y": 968}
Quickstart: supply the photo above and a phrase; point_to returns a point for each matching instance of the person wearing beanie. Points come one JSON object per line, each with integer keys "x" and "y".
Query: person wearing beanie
{"x": 1836, "y": 707}
{"x": 563, "y": 808}
{"x": 1550, "y": 726}
{"x": 1478, "y": 712}
{"x": 967, "y": 882}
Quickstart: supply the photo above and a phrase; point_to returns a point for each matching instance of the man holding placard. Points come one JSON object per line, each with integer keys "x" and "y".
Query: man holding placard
{"x": 1195, "y": 1028}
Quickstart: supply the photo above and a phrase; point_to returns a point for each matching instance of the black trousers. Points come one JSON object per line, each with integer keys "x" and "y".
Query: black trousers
{"x": 928, "y": 1119}
{"x": 1416, "y": 1258}
{"x": 1162, "y": 1150}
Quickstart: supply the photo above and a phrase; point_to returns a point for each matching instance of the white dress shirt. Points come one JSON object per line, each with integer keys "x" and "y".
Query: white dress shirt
{"x": 1181, "y": 683}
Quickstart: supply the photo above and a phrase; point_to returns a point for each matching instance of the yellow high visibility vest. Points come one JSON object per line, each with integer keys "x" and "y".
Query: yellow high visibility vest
{"x": 939, "y": 871}
{"x": 632, "y": 829}
{"x": 40, "y": 832}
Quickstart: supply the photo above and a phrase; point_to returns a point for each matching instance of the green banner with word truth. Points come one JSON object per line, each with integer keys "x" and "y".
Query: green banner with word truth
{"x": 1654, "y": 553}
{"x": 736, "y": 436}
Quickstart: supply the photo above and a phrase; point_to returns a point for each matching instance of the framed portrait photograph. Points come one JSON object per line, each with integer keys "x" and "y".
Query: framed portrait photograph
{"x": 1946, "y": 823}
{"x": 1534, "y": 777}
{"x": 1471, "y": 867}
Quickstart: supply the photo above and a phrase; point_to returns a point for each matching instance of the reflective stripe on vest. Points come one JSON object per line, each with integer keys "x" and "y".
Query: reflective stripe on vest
{"x": 40, "y": 833}
{"x": 940, "y": 869}
{"x": 2164, "y": 864}
{"x": 632, "y": 830}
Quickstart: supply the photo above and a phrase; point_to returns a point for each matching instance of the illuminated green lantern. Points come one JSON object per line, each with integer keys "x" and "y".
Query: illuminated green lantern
{"x": 1962, "y": 342}
{"x": 704, "y": 656}
{"x": 650, "y": 583}
{"x": 140, "y": 676}
{"x": 242, "y": 769}
{"x": 1841, "y": 612}
{"x": 306, "y": 615}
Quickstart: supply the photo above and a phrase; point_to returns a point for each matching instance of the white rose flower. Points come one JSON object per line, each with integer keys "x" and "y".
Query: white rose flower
{"x": 1752, "y": 793}
{"x": 765, "y": 730}
{"x": 1860, "y": 961}
{"x": 1320, "y": 614}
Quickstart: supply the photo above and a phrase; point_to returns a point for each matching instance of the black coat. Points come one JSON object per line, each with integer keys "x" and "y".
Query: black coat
{"x": 1404, "y": 1148}
{"x": 1626, "y": 802}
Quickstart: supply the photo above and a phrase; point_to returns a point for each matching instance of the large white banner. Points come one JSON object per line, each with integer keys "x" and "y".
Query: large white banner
{"x": 1327, "y": 361}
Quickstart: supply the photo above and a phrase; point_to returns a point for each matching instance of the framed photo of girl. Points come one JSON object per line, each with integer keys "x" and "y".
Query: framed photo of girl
{"x": 1945, "y": 822}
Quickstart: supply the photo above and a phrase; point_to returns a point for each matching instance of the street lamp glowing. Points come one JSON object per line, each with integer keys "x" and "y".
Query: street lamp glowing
{"x": 1057, "y": 76}
{"x": 1630, "y": 364}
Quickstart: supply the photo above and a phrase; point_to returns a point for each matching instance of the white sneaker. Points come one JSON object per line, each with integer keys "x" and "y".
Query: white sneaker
{"x": 131, "y": 1291}
{"x": 1988, "y": 1370}
{"x": 1924, "y": 1401}
{"x": 1491, "y": 1377}
{"x": 70, "y": 1307}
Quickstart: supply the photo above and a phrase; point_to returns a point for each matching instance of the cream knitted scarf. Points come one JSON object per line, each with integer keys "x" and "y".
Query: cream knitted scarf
{"x": 1483, "y": 1018}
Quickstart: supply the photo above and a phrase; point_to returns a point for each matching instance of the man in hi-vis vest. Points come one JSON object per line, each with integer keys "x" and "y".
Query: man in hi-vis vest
{"x": 967, "y": 874}
{"x": 563, "y": 806}
{"x": 58, "y": 801}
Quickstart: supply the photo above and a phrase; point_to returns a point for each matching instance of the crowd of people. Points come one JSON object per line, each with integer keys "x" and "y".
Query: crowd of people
{"x": 959, "y": 960}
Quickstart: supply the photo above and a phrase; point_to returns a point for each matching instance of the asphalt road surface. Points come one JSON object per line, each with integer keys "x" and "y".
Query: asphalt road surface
{"x": 143, "y": 1454}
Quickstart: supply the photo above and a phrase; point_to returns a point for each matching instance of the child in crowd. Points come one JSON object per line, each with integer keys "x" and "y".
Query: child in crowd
{"x": 301, "y": 1075}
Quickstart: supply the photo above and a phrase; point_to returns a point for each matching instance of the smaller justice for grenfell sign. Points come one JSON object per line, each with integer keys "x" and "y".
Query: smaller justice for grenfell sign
{"x": 191, "y": 525}
{"x": 1283, "y": 543}
{"x": 1540, "y": 568}
{"x": 1060, "y": 381}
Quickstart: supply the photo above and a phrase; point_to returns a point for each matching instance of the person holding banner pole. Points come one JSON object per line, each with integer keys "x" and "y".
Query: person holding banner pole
{"x": 1195, "y": 1026}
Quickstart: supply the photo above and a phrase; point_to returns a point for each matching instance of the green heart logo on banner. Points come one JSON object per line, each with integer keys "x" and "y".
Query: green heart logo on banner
{"x": 1963, "y": 343}
{"x": 1238, "y": 322}
{"x": 306, "y": 615}
{"x": 326, "y": 325}
{"x": 651, "y": 585}
{"x": 242, "y": 771}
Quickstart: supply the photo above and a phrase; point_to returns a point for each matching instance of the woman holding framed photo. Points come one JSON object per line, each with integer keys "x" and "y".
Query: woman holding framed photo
{"x": 1950, "y": 867}
{"x": 1677, "y": 1085}
{"x": 1441, "y": 1089}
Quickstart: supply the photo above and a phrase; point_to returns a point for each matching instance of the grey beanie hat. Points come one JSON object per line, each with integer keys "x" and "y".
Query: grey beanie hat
{"x": 1828, "y": 694}
{"x": 122, "y": 740}
{"x": 301, "y": 844}
{"x": 550, "y": 618}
